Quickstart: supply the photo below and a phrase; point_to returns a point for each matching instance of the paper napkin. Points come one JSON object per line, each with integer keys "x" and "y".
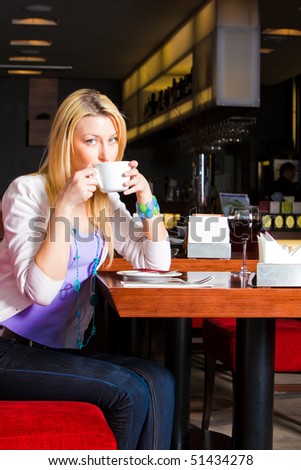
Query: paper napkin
{"x": 271, "y": 252}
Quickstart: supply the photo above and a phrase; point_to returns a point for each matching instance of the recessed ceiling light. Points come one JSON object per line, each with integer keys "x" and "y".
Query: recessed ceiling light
{"x": 22, "y": 58}
{"x": 30, "y": 42}
{"x": 38, "y": 8}
{"x": 266, "y": 50}
{"x": 24, "y": 72}
{"x": 282, "y": 31}
{"x": 34, "y": 21}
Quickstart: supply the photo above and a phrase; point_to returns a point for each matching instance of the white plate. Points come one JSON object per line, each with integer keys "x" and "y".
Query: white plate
{"x": 135, "y": 274}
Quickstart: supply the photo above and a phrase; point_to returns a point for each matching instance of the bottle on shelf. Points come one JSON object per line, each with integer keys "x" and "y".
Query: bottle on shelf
{"x": 164, "y": 99}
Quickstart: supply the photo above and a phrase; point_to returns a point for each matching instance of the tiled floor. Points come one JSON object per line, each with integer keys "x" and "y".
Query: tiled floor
{"x": 287, "y": 406}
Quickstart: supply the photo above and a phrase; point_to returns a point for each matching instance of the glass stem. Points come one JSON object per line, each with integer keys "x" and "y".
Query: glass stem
{"x": 244, "y": 257}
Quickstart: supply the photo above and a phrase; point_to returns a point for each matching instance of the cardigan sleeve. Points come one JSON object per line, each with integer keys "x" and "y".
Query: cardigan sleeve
{"x": 25, "y": 214}
{"x": 131, "y": 243}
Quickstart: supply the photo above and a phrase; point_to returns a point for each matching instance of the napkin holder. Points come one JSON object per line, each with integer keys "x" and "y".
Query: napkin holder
{"x": 277, "y": 266}
{"x": 278, "y": 275}
{"x": 208, "y": 236}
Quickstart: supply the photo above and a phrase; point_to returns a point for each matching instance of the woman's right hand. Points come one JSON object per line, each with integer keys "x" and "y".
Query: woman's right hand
{"x": 52, "y": 257}
{"x": 79, "y": 188}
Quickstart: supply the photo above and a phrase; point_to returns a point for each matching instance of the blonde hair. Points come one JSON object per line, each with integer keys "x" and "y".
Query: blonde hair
{"x": 57, "y": 165}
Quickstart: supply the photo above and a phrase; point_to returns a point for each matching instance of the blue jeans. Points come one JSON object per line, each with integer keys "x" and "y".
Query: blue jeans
{"x": 136, "y": 395}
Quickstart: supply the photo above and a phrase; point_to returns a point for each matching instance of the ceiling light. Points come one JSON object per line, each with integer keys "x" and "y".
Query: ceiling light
{"x": 38, "y": 8}
{"x": 24, "y": 72}
{"x": 282, "y": 31}
{"x": 34, "y": 21}
{"x": 26, "y": 58}
{"x": 266, "y": 50}
{"x": 30, "y": 42}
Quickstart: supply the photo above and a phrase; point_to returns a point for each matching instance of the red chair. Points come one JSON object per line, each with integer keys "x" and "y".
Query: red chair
{"x": 219, "y": 344}
{"x": 54, "y": 425}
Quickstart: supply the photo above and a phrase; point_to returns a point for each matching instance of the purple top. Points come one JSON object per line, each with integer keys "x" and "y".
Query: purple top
{"x": 56, "y": 325}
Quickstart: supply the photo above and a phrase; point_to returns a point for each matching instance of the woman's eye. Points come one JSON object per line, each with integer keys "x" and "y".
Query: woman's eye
{"x": 91, "y": 141}
{"x": 113, "y": 140}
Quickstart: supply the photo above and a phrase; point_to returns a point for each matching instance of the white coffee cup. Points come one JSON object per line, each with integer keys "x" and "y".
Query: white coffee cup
{"x": 111, "y": 177}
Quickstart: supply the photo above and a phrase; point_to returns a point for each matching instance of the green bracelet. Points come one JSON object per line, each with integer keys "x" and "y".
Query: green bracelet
{"x": 149, "y": 209}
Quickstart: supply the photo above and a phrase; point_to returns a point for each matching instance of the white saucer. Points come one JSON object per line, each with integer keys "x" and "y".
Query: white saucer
{"x": 135, "y": 274}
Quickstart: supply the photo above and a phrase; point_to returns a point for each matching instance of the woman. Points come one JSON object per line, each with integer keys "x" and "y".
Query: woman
{"x": 58, "y": 228}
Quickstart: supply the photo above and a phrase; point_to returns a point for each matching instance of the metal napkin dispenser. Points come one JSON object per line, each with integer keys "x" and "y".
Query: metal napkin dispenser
{"x": 278, "y": 275}
{"x": 208, "y": 236}
{"x": 278, "y": 266}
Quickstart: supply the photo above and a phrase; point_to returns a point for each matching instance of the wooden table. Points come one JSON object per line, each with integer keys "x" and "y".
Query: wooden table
{"x": 255, "y": 310}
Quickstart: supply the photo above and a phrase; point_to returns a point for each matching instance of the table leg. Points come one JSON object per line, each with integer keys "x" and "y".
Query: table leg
{"x": 254, "y": 383}
{"x": 178, "y": 360}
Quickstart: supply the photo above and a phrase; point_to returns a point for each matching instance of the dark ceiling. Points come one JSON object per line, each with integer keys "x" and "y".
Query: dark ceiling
{"x": 107, "y": 39}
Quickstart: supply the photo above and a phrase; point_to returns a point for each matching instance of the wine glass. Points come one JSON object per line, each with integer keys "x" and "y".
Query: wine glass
{"x": 244, "y": 223}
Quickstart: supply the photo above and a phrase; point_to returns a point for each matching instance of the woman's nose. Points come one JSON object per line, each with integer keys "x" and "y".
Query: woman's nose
{"x": 103, "y": 153}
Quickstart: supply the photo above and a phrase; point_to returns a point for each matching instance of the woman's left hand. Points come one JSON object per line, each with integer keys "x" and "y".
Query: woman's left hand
{"x": 138, "y": 183}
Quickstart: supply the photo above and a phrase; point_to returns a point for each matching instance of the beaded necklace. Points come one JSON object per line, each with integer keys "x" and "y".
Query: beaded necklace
{"x": 77, "y": 285}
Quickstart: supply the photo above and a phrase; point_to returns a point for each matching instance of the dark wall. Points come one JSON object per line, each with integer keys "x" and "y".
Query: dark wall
{"x": 274, "y": 124}
{"x": 16, "y": 157}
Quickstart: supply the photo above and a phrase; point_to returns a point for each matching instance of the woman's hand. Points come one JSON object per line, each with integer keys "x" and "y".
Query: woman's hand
{"x": 153, "y": 229}
{"x": 52, "y": 256}
{"x": 138, "y": 184}
{"x": 79, "y": 188}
